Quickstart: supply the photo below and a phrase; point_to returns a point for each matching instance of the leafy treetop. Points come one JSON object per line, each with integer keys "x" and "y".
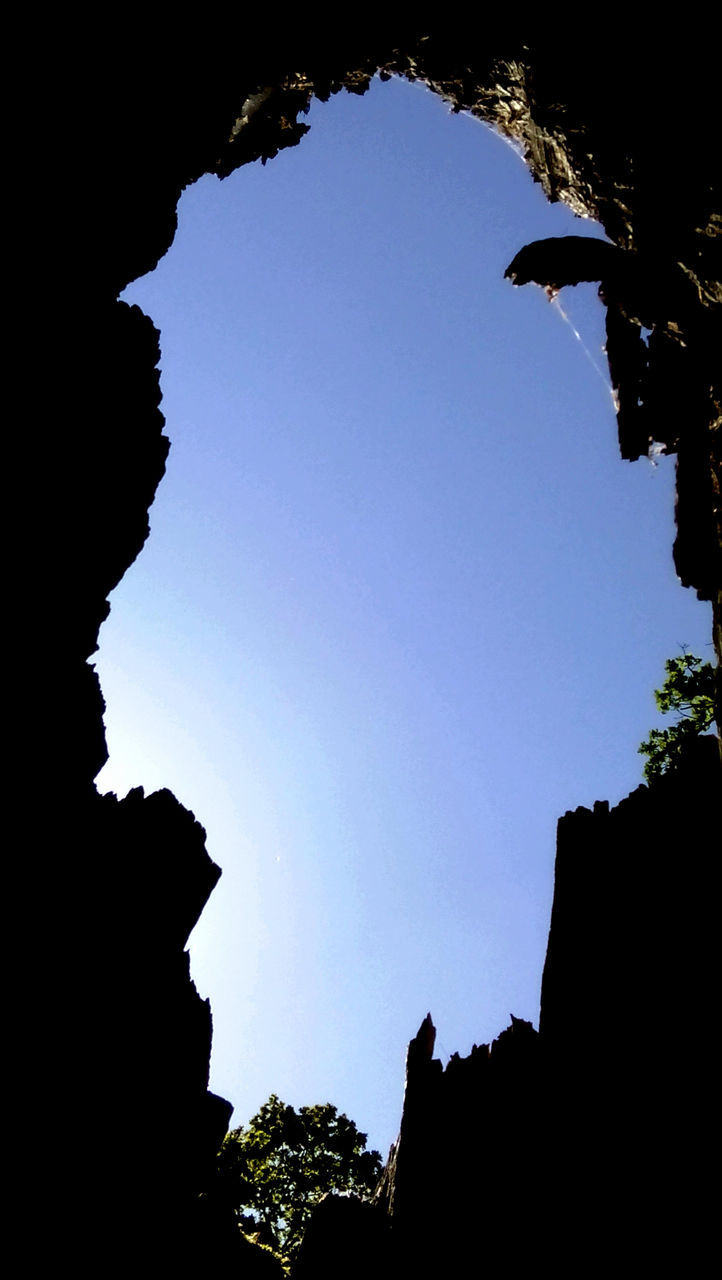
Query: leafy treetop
{"x": 275, "y": 1169}
{"x": 689, "y": 691}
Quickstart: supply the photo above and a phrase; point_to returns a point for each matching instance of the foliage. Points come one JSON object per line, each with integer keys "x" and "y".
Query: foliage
{"x": 689, "y": 691}
{"x": 275, "y": 1169}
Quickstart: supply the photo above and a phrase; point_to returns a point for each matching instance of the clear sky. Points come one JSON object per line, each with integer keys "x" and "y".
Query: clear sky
{"x": 402, "y": 604}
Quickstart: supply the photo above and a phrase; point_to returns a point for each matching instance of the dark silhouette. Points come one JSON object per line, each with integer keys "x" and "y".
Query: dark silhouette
{"x": 602, "y": 1151}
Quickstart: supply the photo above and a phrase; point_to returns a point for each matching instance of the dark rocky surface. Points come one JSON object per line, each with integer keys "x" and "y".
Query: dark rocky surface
{"x": 109, "y": 1023}
{"x": 347, "y": 1237}
{"x": 581, "y": 1144}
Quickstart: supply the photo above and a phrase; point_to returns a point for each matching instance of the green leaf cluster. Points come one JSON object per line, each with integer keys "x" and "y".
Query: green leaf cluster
{"x": 274, "y": 1170}
{"x": 687, "y": 691}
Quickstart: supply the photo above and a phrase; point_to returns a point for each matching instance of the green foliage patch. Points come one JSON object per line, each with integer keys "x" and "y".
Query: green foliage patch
{"x": 687, "y": 691}
{"x": 276, "y": 1168}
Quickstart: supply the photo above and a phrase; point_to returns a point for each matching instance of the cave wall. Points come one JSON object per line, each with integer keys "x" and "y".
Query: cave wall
{"x": 582, "y": 1145}
{"x": 115, "y": 129}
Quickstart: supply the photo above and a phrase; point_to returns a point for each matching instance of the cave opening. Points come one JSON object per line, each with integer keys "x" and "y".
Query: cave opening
{"x": 388, "y": 625}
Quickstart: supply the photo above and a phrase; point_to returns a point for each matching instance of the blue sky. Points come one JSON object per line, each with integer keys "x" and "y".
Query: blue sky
{"x": 402, "y": 604}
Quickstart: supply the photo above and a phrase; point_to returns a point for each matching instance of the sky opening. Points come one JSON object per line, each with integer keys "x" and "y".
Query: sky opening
{"x": 402, "y": 604}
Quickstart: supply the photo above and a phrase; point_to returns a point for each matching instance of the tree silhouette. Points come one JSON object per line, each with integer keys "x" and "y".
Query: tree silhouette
{"x": 689, "y": 691}
{"x": 276, "y": 1168}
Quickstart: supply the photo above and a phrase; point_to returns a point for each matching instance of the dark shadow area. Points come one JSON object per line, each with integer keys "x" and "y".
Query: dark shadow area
{"x": 591, "y": 1133}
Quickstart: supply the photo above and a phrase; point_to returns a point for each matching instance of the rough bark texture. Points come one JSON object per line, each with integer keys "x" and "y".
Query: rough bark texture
{"x": 626, "y": 131}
